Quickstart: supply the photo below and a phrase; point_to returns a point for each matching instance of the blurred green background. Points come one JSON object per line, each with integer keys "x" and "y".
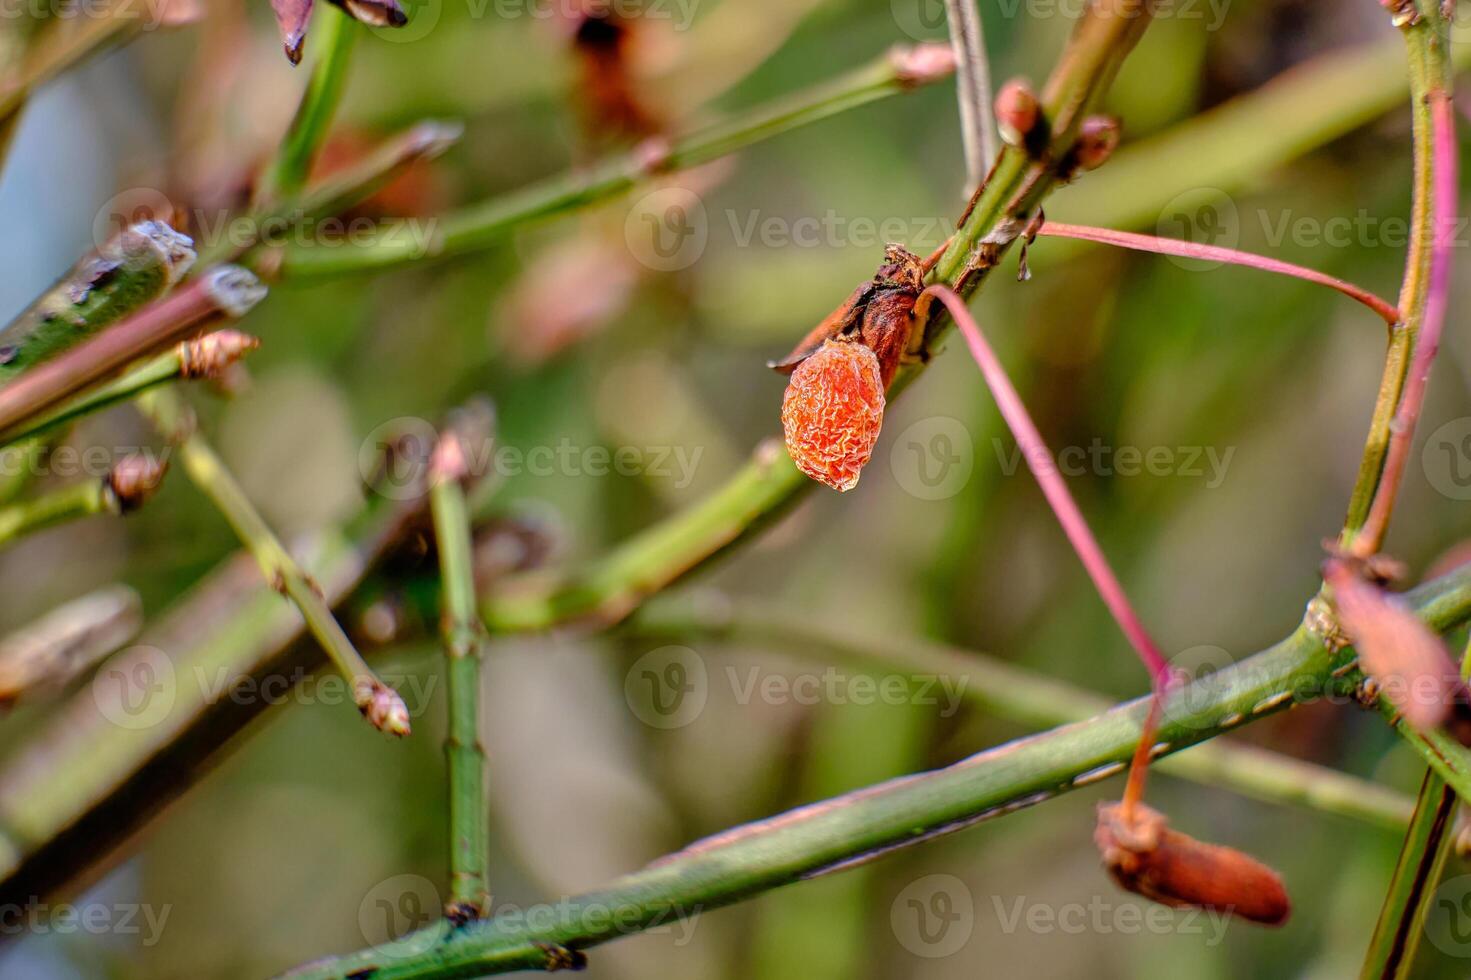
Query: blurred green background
{"x": 288, "y": 850}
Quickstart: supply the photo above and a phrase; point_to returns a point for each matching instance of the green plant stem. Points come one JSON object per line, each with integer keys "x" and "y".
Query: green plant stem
{"x": 224, "y": 291}
{"x": 650, "y": 561}
{"x": 334, "y": 34}
{"x": 1391, "y": 953}
{"x": 1430, "y": 77}
{"x": 153, "y": 372}
{"x": 840, "y": 833}
{"x": 479, "y": 226}
{"x": 87, "y": 498}
{"x": 233, "y": 646}
{"x": 464, "y": 644}
{"x": 1018, "y": 695}
{"x": 378, "y": 702}
{"x": 1421, "y": 860}
{"x": 135, "y": 267}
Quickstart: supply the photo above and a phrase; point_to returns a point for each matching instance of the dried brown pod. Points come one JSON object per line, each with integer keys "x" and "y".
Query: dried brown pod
{"x": 879, "y": 315}
{"x": 1146, "y": 857}
{"x": 1395, "y": 648}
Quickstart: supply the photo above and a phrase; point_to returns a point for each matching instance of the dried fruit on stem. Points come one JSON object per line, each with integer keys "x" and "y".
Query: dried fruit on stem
{"x": 832, "y": 412}
{"x": 1146, "y": 857}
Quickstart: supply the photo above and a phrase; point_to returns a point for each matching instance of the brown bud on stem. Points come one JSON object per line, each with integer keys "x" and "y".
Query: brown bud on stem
{"x": 1146, "y": 857}
{"x": 211, "y": 355}
{"x": 1098, "y": 137}
{"x": 1017, "y": 112}
{"x": 134, "y": 479}
{"x": 920, "y": 64}
{"x": 382, "y": 706}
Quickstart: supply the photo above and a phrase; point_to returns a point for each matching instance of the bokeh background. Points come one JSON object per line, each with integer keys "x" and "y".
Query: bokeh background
{"x": 310, "y": 834}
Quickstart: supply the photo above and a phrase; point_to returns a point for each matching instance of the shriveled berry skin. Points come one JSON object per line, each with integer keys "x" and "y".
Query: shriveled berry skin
{"x": 832, "y": 412}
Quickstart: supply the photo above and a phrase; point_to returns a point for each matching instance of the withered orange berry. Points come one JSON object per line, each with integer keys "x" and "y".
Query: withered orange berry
{"x": 832, "y": 412}
{"x": 1146, "y": 857}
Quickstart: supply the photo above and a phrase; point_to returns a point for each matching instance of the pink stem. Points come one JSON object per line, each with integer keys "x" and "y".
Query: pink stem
{"x": 1432, "y": 321}
{"x": 1214, "y": 253}
{"x": 1040, "y": 461}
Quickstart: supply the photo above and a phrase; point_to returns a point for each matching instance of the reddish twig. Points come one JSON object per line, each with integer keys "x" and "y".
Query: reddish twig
{"x": 1402, "y": 429}
{"x": 1040, "y": 461}
{"x": 1215, "y": 253}
{"x": 225, "y": 291}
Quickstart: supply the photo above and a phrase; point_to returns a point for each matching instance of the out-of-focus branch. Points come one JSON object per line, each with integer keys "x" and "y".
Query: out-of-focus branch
{"x": 207, "y": 357}
{"x": 840, "y": 833}
{"x": 379, "y": 703}
{"x": 478, "y": 226}
{"x": 1015, "y": 694}
{"x": 223, "y": 292}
